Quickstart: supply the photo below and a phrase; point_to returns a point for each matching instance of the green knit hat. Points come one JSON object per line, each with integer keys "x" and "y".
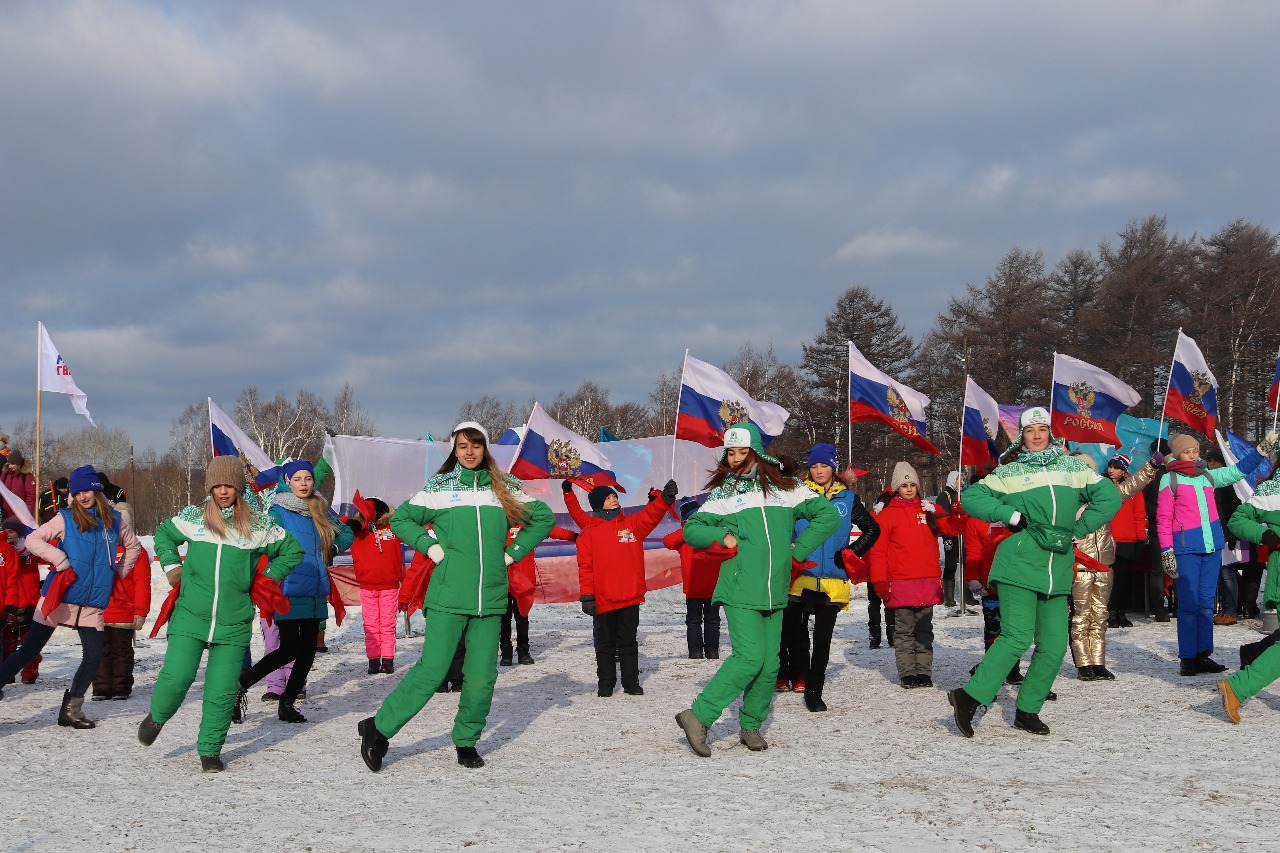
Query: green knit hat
{"x": 746, "y": 434}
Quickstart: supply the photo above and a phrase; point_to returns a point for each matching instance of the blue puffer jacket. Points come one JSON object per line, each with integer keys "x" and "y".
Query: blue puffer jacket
{"x": 308, "y": 585}
{"x": 92, "y": 555}
{"x": 852, "y": 511}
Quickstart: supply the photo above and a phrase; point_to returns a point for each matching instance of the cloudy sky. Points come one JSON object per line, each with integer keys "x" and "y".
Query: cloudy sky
{"x": 439, "y": 200}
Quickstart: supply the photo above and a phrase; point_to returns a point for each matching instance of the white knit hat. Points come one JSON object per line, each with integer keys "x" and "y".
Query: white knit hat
{"x": 903, "y": 473}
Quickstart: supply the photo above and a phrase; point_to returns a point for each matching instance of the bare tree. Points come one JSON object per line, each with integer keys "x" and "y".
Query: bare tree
{"x": 283, "y": 428}
{"x": 495, "y": 415}
{"x": 349, "y": 417}
{"x": 663, "y": 400}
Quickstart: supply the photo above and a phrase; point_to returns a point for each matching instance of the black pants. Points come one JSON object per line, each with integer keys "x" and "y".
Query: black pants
{"x": 1250, "y": 584}
{"x": 297, "y": 645}
{"x": 90, "y": 656}
{"x": 702, "y": 626}
{"x": 522, "y": 629}
{"x": 115, "y": 673}
{"x": 873, "y": 618}
{"x": 618, "y": 630}
{"x": 793, "y": 654}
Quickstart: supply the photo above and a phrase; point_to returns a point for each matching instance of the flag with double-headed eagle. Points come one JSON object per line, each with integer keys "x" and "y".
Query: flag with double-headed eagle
{"x": 873, "y": 396}
{"x": 978, "y": 431}
{"x": 549, "y": 451}
{"x": 1193, "y": 389}
{"x": 1087, "y": 401}
{"x": 711, "y": 402}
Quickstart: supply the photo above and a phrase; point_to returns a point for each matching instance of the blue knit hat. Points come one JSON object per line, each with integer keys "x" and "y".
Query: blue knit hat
{"x": 84, "y": 479}
{"x": 823, "y": 454}
{"x": 292, "y": 467}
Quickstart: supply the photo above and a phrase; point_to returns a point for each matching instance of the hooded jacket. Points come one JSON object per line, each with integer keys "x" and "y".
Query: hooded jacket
{"x": 1251, "y": 520}
{"x": 471, "y": 526}
{"x": 611, "y": 552}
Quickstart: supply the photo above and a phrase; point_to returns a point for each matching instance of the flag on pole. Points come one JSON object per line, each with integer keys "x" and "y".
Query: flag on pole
{"x": 711, "y": 402}
{"x": 1011, "y": 420}
{"x": 227, "y": 439}
{"x": 549, "y": 451}
{"x": 981, "y": 420}
{"x": 1234, "y": 448}
{"x": 1273, "y": 393}
{"x": 55, "y": 375}
{"x": 1193, "y": 389}
{"x": 873, "y": 396}
{"x": 18, "y": 507}
{"x": 1087, "y": 401}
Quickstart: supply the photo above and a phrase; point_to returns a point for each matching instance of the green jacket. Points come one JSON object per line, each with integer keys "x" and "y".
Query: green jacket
{"x": 213, "y": 603}
{"x": 1041, "y": 557}
{"x": 758, "y": 577}
{"x": 1254, "y": 518}
{"x": 471, "y": 526}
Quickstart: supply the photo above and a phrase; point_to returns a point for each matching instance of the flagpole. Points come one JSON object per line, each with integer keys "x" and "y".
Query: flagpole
{"x": 1167, "y": 385}
{"x": 679, "y": 399}
{"x": 39, "y": 367}
{"x": 848, "y": 394}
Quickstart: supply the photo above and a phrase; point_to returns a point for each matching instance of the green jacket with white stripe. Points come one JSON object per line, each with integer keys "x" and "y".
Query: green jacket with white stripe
{"x": 758, "y": 577}
{"x": 1251, "y": 520}
{"x": 213, "y": 603}
{"x": 1041, "y": 557}
{"x": 471, "y": 526}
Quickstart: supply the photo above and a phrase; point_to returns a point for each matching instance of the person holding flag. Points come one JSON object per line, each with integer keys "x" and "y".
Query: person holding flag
{"x": 752, "y": 507}
{"x": 214, "y": 608}
{"x": 1190, "y": 536}
{"x": 1037, "y": 494}
{"x": 471, "y": 505}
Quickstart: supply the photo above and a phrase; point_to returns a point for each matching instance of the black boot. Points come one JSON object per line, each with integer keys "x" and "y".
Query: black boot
{"x": 148, "y": 730}
{"x": 964, "y": 707}
{"x": 373, "y": 746}
{"x": 289, "y": 714}
{"x": 949, "y": 592}
{"x": 524, "y": 657}
{"x": 375, "y": 666}
{"x": 72, "y": 713}
{"x": 1014, "y": 676}
{"x": 1029, "y": 723}
{"x": 468, "y": 757}
{"x": 506, "y": 659}
{"x": 1187, "y": 666}
{"x": 241, "y": 707}
{"x": 1086, "y": 673}
{"x": 1104, "y": 674}
{"x": 1206, "y": 664}
{"x": 211, "y": 764}
{"x": 388, "y": 666}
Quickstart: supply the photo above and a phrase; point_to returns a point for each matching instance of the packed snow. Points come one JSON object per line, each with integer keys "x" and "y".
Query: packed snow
{"x": 1146, "y": 762}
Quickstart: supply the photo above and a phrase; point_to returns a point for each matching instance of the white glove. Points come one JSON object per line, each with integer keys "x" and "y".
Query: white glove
{"x": 173, "y": 575}
{"x": 507, "y": 558}
{"x": 436, "y": 554}
{"x": 928, "y": 506}
{"x": 975, "y": 587}
{"x": 1269, "y": 443}
{"x": 1169, "y": 563}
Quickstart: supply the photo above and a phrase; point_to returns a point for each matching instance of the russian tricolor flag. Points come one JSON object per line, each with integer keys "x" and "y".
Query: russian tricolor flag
{"x": 1193, "y": 389}
{"x": 1273, "y": 393}
{"x": 978, "y": 433}
{"x": 711, "y": 402}
{"x": 227, "y": 439}
{"x": 1087, "y": 401}
{"x": 549, "y": 451}
{"x": 873, "y": 396}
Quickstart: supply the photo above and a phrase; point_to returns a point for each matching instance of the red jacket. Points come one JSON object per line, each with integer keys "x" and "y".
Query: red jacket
{"x": 377, "y": 559}
{"x": 1130, "y": 523}
{"x": 20, "y": 576}
{"x": 975, "y": 536}
{"x": 699, "y": 569}
{"x": 904, "y": 561}
{"x": 522, "y": 575}
{"x": 131, "y": 594}
{"x": 611, "y": 553}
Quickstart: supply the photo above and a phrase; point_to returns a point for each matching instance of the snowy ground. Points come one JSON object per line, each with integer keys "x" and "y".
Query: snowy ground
{"x": 1145, "y": 762}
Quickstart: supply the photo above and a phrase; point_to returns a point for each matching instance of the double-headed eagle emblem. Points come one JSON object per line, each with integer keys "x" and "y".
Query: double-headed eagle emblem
{"x": 732, "y": 412}
{"x": 1082, "y": 395}
{"x": 563, "y": 460}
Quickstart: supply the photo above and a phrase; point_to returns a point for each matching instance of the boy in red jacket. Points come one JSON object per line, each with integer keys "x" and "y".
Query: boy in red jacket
{"x": 20, "y": 577}
{"x": 127, "y": 609}
{"x": 612, "y": 577}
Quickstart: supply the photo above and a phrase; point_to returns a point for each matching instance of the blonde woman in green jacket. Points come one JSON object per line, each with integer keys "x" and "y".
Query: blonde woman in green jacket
{"x": 471, "y": 506}
{"x": 1038, "y": 495}
{"x": 752, "y": 507}
{"x": 225, "y": 537}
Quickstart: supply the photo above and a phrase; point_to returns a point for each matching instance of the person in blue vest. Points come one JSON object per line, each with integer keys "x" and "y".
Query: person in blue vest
{"x": 89, "y": 532}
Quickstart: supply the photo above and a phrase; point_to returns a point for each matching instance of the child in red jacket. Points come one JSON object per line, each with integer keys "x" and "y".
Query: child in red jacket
{"x": 612, "y": 577}
{"x": 700, "y": 570}
{"x": 20, "y": 578}
{"x": 378, "y": 560}
{"x": 126, "y": 611}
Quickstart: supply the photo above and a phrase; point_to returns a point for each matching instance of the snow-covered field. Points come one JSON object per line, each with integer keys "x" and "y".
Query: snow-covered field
{"x": 1147, "y": 762}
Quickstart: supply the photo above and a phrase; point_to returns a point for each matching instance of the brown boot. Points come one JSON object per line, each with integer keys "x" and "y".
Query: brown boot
{"x": 1230, "y": 703}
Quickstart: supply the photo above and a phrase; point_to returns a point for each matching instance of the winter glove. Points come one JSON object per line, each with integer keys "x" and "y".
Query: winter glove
{"x": 435, "y": 554}
{"x": 1269, "y": 443}
{"x": 507, "y": 558}
{"x": 588, "y": 604}
{"x": 23, "y": 620}
{"x": 928, "y": 506}
{"x": 354, "y": 524}
{"x": 138, "y": 622}
{"x": 1019, "y": 522}
{"x": 174, "y": 575}
{"x": 669, "y": 492}
{"x": 882, "y": 590}
{"x": 1169, "y": 563}
{"x": 1271, "y": 540}
{"x": 1158, "y": 459}
{"x": 976, "y": 590}
{"x": 566, "y": 486}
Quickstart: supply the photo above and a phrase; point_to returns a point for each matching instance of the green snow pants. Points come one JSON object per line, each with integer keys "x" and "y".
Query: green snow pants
{"x": 1254, "y": 678}
{"x": 479, "y": 675}
{"x": 1025, "y": 616}
{"x": 751, "y": 670}
{"x": 221, "y": 683}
